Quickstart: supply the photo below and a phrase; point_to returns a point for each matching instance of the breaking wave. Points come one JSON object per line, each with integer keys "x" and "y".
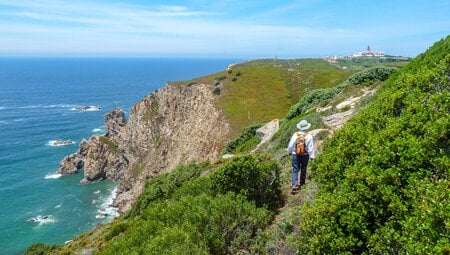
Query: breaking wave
{"x": 52, "y": 176}
{"x": 107, "y": 209}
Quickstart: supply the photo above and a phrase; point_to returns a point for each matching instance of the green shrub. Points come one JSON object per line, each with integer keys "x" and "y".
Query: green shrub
{"x": 164, "y": 185}
{"x": 41, "y": 249}
{"x": 246, "y": 134}
{"x": 175, "y": 240}
{"x": 116, "y": 229}
{"x": 311, "y": 99}
{"x": 221, "y": 78}
{"x": 234, "y": 79}
{"x": 251, "y": 176}
{"x": 384, "y": 176}
{"x": 238, "y": 74}
{"x": 371, "y": 75}
{"x": 203, "y": 224}
{"x": 196, "y": 187}
{"x": 248, "y": 145}
{"x": 230, "y": 71}
{"x": 318, "y": 96}
{"x": 216, "y": 91}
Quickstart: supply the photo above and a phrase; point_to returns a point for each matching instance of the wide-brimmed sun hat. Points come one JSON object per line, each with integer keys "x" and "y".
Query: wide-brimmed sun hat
{"x": 303, "y": 125}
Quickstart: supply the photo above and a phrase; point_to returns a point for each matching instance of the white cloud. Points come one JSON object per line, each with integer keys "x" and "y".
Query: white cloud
{"x": 62, "y": 27}
{"x": 172, "y": 8}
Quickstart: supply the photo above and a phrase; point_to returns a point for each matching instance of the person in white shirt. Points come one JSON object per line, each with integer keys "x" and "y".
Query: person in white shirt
{"x": 300, "y": 161}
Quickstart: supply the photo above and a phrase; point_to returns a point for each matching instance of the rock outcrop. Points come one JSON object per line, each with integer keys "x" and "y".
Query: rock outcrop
{"x": 173, "y": 125}
{"x": 176, "y": 124}
{"x": 266, "y": 132}
{"x": 337, "y": 120}
{"x": 103, "y": 160}
{"x": 74, "y": 162}
{"x": 114, "y": 122}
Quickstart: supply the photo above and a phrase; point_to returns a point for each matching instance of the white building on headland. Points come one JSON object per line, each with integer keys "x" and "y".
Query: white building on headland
{"x": 367, "y": 53}
{"x": 332, "y": 59}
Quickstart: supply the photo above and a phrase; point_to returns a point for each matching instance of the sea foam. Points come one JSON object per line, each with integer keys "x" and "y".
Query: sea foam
{"x": 97, "y": 130}
{"x": 46, "y": 106}
{"x": 52, "y": 176}
{"x": 87, "y": 108}
{"x": 107, "y": 208}
{"x": 40, "y": 219}
{"x": 57, "y": 143}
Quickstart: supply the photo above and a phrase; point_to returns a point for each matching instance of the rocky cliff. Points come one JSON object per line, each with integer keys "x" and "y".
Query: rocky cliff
{"x": 175, "y": 124}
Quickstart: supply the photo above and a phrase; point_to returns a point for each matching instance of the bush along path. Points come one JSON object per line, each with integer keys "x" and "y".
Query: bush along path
{"x": 381, "y": 184}
{"x": 319, "y": 108}
{"x": 383, "y": 178}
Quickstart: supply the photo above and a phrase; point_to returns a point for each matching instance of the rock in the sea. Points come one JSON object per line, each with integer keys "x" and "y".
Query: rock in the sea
{"x": 87, "y": 108}
{"x": 102, "y": 160}
{"x": 38, "y": 218}
{"x": 61, "y": 142}
{"x": 72, "y": 163}
{"x": 100, "y": 157}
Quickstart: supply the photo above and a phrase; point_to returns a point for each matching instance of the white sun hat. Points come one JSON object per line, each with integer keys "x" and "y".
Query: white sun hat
{"x": 303, "y": 125}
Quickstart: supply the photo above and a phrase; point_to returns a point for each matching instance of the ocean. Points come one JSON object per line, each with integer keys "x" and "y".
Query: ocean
{"x": 38, "y": 101}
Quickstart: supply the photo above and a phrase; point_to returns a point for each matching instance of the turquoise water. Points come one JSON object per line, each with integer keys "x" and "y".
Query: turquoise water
{"x": 37, "y": 101}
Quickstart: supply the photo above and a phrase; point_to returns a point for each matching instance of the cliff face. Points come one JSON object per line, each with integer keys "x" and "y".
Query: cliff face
{"x": 173, "y": 125}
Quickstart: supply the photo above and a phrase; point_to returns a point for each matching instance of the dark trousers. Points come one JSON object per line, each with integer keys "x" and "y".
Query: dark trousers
{"x": 299, "y": 164}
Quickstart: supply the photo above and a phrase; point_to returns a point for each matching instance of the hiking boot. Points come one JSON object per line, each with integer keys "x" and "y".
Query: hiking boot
{"x": 293, "y": 191}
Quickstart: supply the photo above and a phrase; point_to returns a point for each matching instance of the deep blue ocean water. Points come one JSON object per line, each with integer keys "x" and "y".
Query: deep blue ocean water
{"x": 37, "y": 101}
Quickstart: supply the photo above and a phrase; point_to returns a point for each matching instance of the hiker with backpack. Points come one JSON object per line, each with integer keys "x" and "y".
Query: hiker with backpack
{"x": 301, "y": 150}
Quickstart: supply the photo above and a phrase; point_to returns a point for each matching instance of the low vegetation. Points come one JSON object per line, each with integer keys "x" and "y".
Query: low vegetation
{"x": 384, "y": 176}
{"x": 246, "y": 134}
{"x": 191, "y": 211}
{"x": 256, "y": 85}
{"x": 112, "y": 146}
{"x": 320, "y": 96}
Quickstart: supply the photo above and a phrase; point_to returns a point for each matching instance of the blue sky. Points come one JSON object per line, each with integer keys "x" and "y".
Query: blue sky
{"x": 222, "y": 28}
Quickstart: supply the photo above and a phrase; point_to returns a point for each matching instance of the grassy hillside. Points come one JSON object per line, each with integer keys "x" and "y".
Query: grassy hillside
{"x": 261, "y": 90}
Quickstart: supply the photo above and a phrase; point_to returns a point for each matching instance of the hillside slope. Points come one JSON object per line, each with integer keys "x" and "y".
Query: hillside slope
{"x": 260, "y": 90}
{"x": 384, "y": 177}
